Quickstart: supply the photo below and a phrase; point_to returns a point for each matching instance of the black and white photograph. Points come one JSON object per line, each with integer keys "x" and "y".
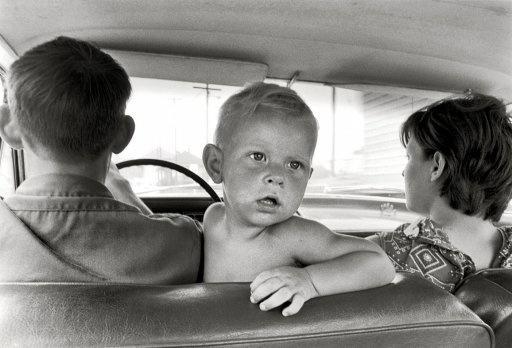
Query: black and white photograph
{"x": 256, "y": 173}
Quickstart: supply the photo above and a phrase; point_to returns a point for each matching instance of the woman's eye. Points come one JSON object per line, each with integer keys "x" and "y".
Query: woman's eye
{"x": 257, "y": 156}
{"x": 295, "y": 165}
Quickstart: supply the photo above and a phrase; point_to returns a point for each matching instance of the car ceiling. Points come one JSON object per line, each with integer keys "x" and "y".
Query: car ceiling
{"x": 426, "y": 44}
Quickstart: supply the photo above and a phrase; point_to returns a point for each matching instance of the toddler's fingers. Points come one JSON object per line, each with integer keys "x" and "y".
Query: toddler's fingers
{"x": 260, "y": 278}
{"x": 266, "y": 288}
{"x": 278, "y": 298}
{"x": 295, "y": 306}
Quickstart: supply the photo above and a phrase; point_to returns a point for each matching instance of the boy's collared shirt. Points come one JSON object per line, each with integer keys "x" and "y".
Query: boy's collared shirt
{"x": 423, "y": 247}
{"x": 77, "y": 220}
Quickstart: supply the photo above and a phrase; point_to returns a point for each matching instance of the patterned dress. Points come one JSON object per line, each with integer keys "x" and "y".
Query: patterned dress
{"x": 422, "y": 247}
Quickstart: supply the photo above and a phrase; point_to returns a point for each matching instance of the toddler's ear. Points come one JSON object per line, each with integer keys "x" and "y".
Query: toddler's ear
{"x": 124, "y": 134}
{"x": 212, "y": 160}
{"x": 9, "y": 128}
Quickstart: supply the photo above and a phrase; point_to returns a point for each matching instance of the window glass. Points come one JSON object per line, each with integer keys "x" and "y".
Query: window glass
{"x": 6, "y": 172}
{"x": 173, "y": 122}
{"x": 358, "y": 150}
{"x": 7, "y": 55}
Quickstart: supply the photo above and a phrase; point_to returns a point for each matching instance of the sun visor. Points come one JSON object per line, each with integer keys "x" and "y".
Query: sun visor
{"x": 190, "y": 69}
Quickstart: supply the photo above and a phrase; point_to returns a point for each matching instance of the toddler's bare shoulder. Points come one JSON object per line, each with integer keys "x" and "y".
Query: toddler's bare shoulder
{"x": 213, "y": 215}
{"x": 214, "y": 210}
{"x": 299, "y": 225}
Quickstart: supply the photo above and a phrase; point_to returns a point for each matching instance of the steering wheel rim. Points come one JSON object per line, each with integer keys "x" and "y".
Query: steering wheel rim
{"x": 172, "y": 166}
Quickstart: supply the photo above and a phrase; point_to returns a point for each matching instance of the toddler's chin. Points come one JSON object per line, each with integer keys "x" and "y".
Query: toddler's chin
{"x": 267, "y": 220}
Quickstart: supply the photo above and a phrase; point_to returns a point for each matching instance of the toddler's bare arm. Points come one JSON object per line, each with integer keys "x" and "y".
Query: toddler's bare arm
{"x": 335, "y": 264}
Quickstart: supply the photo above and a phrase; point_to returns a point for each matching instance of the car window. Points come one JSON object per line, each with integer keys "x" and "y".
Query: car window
{"x": 6, "y": 168}
{"x": 358, "y": 150}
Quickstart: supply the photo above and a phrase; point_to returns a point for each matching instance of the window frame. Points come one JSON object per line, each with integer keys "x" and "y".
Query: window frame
{"x": 17, "y": 161}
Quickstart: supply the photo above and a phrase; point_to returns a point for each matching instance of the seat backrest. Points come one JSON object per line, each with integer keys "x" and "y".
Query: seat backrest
{"x": 489, "y": 294}
{"x": 410, "y": 312}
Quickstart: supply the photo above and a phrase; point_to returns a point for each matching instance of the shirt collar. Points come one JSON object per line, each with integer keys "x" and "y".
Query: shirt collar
{"x": 506, "y": 236}
{"x": 62, "y": 185}
{"x": 427, "y": 231}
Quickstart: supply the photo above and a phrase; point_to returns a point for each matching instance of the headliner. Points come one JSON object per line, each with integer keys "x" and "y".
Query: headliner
{"x": 439, "y": 45}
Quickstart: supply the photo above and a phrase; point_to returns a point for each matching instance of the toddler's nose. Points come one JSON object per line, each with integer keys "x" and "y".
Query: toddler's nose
{"x": 274, "y": 180}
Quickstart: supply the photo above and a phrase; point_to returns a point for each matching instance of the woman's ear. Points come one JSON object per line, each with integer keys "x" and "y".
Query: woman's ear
{"x": 438, "y": 165}
{"x": 9, "y": 128}
{"x": 124, "y": 134}
{"x": 212, "y": 160}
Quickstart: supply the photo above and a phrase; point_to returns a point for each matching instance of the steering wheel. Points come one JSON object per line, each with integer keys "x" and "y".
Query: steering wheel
{"x": 173, "y": 166}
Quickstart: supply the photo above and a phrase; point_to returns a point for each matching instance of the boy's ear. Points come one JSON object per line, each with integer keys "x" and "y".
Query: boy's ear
{"x": 438, "y": 165}
{"x": 212, "y": 160}
{"x": 9, "y": 128}
{"x": 124, "y": 134}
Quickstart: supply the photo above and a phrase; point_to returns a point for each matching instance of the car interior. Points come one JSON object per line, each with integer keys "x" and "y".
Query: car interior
{"x": 362, "y": 65}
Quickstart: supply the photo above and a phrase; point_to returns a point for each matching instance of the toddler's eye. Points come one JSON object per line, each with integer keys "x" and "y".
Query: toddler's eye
{"x": 295, "y": 165}
{"x": 257, "y": 156}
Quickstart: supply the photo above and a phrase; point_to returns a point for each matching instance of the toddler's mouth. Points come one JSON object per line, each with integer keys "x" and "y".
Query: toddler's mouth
{"x": 268, "y": 201}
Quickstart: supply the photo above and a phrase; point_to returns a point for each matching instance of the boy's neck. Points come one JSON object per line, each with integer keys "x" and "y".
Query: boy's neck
{"x": 94, "y": 169}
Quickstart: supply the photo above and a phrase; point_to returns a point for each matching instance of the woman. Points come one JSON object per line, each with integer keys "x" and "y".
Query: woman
{"x": 459, "y": 175}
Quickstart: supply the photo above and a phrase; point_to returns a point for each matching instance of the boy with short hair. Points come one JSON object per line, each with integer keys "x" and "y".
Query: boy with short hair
{"x": 66, "y": 110}
{"x": 265, "y": 141}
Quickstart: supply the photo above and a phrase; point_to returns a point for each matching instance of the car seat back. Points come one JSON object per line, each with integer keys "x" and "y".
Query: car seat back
{"x": 489, "y": 294}
{"x": 410, "y": 312}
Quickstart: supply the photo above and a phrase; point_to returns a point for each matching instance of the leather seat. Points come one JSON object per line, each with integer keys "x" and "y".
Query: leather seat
{"x": 489, "y": 294}
{"x": 410, "y": 312}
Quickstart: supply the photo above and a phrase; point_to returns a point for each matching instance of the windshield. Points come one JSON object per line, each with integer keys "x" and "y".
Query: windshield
{"x": 358, "y": 150}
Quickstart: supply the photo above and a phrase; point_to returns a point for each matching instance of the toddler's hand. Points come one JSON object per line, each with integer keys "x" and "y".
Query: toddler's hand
{"x": 283, "y": 284}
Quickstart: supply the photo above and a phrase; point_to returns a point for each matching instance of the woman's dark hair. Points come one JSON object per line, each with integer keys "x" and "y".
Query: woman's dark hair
{"x": 474, "y": 134}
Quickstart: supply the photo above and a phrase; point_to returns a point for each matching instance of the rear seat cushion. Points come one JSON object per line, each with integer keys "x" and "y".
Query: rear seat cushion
{"x": 489, "y": 294}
